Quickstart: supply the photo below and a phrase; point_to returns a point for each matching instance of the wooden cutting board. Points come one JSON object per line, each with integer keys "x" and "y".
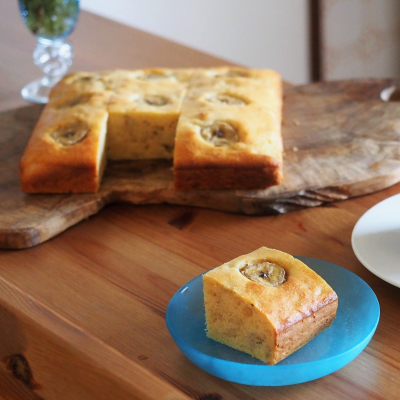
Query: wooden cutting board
{"x": 341, "y": 140}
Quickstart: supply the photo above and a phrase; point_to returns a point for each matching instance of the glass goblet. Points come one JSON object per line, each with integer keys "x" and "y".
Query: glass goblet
{"x": 50, "y": 21}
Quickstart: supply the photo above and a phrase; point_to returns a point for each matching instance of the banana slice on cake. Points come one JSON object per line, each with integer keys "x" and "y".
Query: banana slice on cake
{"x": 264, "y": 272}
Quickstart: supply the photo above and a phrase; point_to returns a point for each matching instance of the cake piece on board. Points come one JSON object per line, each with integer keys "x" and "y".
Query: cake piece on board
{"x": 229, "y": 131}
{"x": 65, "y": 153}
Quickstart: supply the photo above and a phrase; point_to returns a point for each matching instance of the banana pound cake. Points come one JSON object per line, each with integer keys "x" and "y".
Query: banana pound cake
{"x": 267, "y": 304}
{"x": 220, "y": 126}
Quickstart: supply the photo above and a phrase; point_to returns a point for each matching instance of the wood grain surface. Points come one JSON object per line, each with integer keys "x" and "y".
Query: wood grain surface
{"x": 106, "y": 284}
{"x": 340, "y": 140}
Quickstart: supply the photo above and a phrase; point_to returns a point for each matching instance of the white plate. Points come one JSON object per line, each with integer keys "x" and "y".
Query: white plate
{"x": 376, "y": 240}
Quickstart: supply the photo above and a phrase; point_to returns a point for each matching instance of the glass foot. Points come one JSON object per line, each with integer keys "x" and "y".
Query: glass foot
{"x": 36, "y": 91}
{"x": 54, "y": 57}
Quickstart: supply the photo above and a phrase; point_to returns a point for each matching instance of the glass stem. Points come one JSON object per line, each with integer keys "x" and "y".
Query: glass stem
{"x": 54, "y": 57}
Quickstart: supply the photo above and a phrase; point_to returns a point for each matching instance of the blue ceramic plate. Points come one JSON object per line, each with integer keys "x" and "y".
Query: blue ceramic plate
{"x": 351, "y": 331}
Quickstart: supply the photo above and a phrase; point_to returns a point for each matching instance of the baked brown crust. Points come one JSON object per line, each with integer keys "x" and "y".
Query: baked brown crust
{"x": 234, "y": 178}
{"x": 269, "y": 323}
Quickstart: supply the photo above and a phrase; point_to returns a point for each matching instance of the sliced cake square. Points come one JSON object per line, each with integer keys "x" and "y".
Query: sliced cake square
{"x": 65, "y": 153}
{"x": 267, "y": 304}
{"x": 229, "y": 131}
{"x": 228, "y": 150}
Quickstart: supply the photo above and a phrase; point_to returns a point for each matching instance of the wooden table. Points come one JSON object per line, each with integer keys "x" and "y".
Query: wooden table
{"x": 82, "y": 316}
